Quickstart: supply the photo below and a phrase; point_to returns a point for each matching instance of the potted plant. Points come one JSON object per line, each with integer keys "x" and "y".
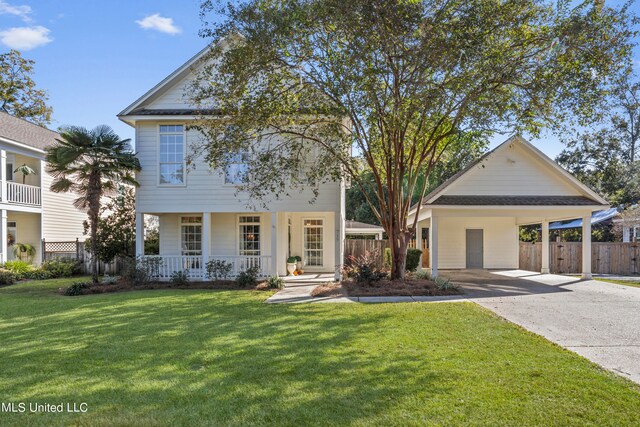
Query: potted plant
{"x": 291, "y": 265}
{"x": 298, "y": 262}
{"x": 25, "y": 171}
{"x": 24, "y": 250}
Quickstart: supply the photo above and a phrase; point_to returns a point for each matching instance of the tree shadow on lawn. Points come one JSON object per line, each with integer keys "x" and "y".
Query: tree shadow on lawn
{"x": 193, "y": 356}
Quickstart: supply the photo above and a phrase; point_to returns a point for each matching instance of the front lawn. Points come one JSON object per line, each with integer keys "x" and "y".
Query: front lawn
{"x": 190, "y": 357}
{"x": 634, "y": 283}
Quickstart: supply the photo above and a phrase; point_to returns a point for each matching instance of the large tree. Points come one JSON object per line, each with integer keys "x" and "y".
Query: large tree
{"x": 18, "y": 93}
{"x": 91, "y": 164}
{"x": 606, "y": 157}
{"x": 300, "y": 85}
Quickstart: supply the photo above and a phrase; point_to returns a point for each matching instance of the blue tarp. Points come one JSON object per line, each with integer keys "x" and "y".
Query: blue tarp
{"x": 596, "y": 218}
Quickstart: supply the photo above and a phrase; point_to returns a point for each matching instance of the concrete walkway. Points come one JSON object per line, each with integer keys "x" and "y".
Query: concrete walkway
{"x": 597, "y": 320}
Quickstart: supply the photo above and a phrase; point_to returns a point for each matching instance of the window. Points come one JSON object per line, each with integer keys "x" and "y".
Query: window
{"x": 191, "y": 235}
{"x": 313, "y": 242}
{"x": 249, "y": 234}
{"x": 238, "y": 171}
{"x": 171, "y": 154}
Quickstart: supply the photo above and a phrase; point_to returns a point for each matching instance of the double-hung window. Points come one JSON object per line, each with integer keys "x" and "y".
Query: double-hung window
{"x": 172, "y": 154}
{"x": 249, "y": 234}
{"x": 191, "y": 235}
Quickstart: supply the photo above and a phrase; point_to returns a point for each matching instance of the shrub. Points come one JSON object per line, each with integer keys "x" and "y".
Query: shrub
{"x": 7, "y": 278}
{"x": 413, "y": 259}
{"x": 218, "y": 269}
{"x": 76, "y": 289}
{"x": 364, "y": 268}
{"x": 61, "y": 267}
{"x": 140, "y": 271}
{"x": 37, "y": 274}
{"x": 248, "y": 277}
{"x": 275, "y": 282}
{"x": 180, "y": 277}
{"x": 18, "y": 267}
{"x": 109, "y": 280}
{"x": 422, "y": 275}
{"x": 445, "y": 284}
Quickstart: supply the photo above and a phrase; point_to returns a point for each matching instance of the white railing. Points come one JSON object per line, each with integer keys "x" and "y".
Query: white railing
{"x": 163, "y": 266}
{"x": 23, "y": 194}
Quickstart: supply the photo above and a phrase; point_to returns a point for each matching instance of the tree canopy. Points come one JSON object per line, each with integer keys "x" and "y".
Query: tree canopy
{"x": 299, "y": 86}
{"x": 18, "y": 93}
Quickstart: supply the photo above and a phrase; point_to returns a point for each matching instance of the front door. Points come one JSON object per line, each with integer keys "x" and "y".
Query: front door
{"x": 475, "y": 248}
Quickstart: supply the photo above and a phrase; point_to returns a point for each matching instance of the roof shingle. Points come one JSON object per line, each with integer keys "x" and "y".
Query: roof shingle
{"x": 514, "y": 201}
{"x": 25, "y": 132}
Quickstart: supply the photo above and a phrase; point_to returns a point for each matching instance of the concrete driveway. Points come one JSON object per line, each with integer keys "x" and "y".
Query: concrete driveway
{"x": 600, "y": 321}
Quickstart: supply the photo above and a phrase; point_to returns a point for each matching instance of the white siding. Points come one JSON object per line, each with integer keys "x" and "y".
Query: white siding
{"x": 172, "y": 97}
{"x": 205, "y": 190}
{"x": 500, "y": 241}
{"x": 512, "y": 171}
{"x": 27, "y": 231}
{"x": 61, "y": 221}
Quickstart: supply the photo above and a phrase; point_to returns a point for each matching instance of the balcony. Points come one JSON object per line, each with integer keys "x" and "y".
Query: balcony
{"x": 21, "y": 194}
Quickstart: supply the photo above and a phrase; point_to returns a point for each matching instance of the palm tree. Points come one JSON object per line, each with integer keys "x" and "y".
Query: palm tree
{"x": 91, "y": 164}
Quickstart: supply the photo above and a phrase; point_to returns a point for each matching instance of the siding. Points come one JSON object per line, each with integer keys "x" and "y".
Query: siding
{"x": 173, "y": 96}
{"x": 500, "y": 241}
{"x": 513, "y": 171}
{"x": 61, "y": 221}
{"x": 205, "y": 190}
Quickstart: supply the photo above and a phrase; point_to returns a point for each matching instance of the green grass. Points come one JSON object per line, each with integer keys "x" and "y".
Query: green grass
{"x": 176, "y": 357}
{"x": 634, "y": 283}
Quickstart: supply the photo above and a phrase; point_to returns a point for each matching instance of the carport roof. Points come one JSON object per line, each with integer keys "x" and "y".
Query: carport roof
{"x": 514, "y": 201}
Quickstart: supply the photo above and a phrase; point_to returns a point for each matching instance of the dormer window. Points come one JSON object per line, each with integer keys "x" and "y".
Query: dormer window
{"x": 171, "y": 165}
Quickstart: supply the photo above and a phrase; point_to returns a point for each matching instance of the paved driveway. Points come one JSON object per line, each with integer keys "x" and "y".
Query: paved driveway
{"x": 597, "y": 320}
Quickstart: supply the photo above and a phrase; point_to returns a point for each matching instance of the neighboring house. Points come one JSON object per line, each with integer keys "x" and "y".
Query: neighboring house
{"x": 362, "y": 230}
{"x": 472, "y": 219}
{"x": 603, "y": 220}
{"x": 29, "y": 211}
{"x": 201, "y": 216}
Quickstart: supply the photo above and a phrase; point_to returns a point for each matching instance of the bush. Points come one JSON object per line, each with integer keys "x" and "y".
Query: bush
{"x": 140, "y": 271}
{"x": 445, "y": 284}
{"x": 180, "y": 277}
{"x": 61, "y": 267}
{"x": 218, "y": 269}
{"x": 413, "y": 259}
{"x": 364, "y": 268}
{"x": 18, "y": 267}
{"x": 422, "y": 275}
{"x": 275, "y": 282}
{"x": 37, "y": 274}
{"x": 109, "y": 280}
{"x": 7, "y": 278}
{"x": 76, "y": 289}
{"x": 248, "y": 278}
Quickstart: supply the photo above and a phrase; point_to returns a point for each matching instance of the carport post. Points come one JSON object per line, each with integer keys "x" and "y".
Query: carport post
{"x": 433, "y": 246}
{"x": 586, "y": 246}
{"x": 545, "y": 247}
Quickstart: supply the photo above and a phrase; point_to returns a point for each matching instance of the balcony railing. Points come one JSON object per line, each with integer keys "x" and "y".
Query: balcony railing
{"x": 163, "y": 266}
{"x": 22, "y": 194}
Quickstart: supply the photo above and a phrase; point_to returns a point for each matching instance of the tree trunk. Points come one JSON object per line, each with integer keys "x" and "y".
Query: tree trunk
{"x": 94, "y": 214}
{"x": 399, "y": 242}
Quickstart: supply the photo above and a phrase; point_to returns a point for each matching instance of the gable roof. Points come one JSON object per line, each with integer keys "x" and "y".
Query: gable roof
{"x": 24, "y": 132}
{"x": 357, "y": 224}
{"x": 590, "y": 197}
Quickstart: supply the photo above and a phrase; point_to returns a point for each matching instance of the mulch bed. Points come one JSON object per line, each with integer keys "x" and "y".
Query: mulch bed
{"x": 408, "y": 287}
{"x": 123, "y": 286}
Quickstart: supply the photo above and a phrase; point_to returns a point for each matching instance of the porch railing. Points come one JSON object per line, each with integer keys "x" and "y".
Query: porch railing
{"x": 163, "y": 266}
{"x": 23, "y": 194}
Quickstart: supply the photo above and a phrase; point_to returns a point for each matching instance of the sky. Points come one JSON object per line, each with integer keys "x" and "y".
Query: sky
{"x": 95, "y": 57}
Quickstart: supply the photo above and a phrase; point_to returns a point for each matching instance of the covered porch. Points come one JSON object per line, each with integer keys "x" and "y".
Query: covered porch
{"x": 243, "y": 240}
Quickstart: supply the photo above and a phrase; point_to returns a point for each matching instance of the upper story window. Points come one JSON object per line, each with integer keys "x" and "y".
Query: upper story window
{"x": 172, "y": 154}
{"x": 238, "y": 171}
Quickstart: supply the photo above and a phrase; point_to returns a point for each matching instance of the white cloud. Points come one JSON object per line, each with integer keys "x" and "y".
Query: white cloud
{"x": 159, "y": 23}
{"x": 21, "y": 11}
{"x": 25, "y": 38}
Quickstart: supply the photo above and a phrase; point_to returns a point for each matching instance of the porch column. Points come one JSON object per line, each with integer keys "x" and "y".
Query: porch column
{"x": 340, "y": 218}
{"x": 206, "y": 238}
{"x": 545, "y": 247}
{"x": 3, "y": 176}
{"x": 3, "y": 234}
{"x": 139, "y": 234}
{"x": 586, "y": 246}
{"x": 274, "y": 244}
{"x": 419, "y": 243}
{"x": 433, "y": 246}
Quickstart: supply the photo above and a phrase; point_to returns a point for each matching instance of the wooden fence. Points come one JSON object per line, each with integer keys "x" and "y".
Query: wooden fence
{"x": 566, "y": 257}
{"x": 76, "y": 250}
{"x": 358, "y": 247}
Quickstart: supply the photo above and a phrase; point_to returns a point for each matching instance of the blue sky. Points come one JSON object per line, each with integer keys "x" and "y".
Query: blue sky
{"x": 95, "y": 57}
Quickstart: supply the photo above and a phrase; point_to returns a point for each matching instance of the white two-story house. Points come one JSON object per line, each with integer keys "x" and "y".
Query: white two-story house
{"x": 202, "y": 216}
{"x": 29, "y": 211}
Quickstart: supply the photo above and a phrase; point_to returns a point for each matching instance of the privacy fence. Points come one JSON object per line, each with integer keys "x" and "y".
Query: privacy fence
{"x": 566, "y": 257}
{"x": 358, "y": 247}
{"x": 76, "y": 250}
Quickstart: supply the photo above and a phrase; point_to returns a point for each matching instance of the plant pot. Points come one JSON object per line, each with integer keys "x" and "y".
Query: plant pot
{"x": 299, "y": 265}
{"x": 291, "y": 268}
